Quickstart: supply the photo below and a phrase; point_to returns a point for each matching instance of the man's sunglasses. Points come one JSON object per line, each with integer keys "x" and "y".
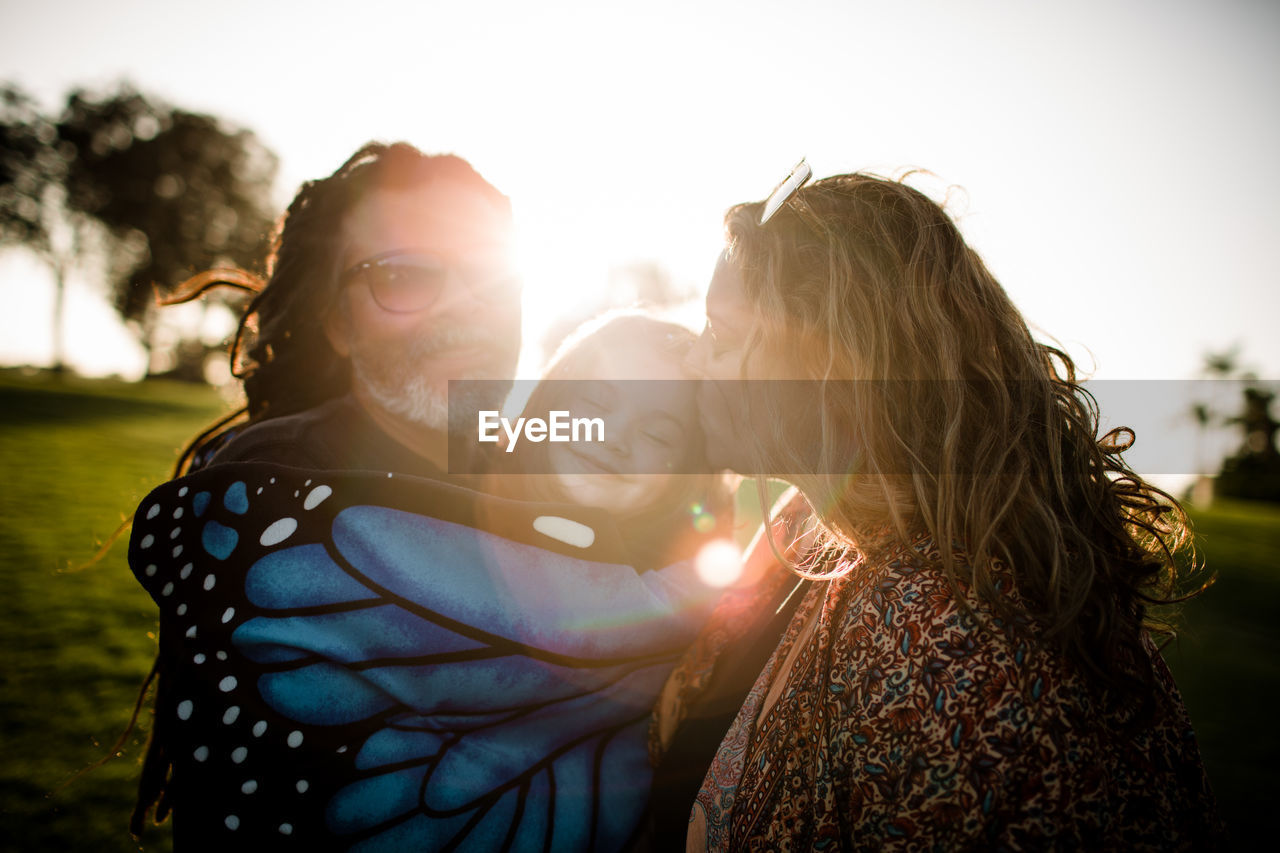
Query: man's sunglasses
{"x": 405, "y": 282}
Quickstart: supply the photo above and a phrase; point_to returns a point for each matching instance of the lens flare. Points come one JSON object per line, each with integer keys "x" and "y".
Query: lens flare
{"x": 703, "y": 520}
{"x": 719, "y": 562}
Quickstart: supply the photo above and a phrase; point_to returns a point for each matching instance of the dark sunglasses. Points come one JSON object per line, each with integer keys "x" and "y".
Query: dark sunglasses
{"x": 404, "y": 282}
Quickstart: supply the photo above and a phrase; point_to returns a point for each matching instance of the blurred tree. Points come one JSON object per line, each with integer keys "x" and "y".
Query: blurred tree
{"x": 179, "y": 192}
{"x": 33, "y": 209}
{"x": 1223, "y": 364}
{"x": 1213, "y": 365}
{"x": 1254, "y": 471}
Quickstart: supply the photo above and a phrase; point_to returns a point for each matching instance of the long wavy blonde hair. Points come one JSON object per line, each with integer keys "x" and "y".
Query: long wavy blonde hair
{"x": 956, "y": 423}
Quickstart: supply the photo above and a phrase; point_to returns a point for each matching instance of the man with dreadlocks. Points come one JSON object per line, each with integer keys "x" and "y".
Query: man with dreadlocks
{"x": 388, "y": 279}
{"x": 356, "y": 651}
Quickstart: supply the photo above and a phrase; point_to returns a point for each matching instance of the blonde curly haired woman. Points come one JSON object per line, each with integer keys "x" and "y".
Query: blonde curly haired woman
{"x": 975, "y": 666}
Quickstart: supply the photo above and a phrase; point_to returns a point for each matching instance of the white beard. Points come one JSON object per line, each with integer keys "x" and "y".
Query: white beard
{"x": 396, "y": 378}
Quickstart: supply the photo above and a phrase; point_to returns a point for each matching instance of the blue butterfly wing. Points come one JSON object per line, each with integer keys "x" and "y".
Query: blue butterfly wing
{"x": 499, "y": 689}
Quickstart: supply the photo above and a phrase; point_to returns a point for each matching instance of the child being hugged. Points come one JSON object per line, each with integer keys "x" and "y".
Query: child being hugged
{"x": 624, "y": 371}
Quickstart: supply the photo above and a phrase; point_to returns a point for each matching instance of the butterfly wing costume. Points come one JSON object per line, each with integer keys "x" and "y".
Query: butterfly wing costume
{"x": 369, "y": 662}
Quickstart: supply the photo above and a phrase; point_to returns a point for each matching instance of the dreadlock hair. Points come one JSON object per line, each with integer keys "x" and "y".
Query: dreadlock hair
{"x": 290, "y": 365}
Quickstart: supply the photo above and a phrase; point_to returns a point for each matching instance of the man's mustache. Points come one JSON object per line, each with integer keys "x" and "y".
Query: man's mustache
{"x": 442, "y": 340}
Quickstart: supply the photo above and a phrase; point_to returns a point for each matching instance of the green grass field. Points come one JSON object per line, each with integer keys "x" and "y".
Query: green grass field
{"x": 1227, "y": 663}
{"x": 77, "y": 457}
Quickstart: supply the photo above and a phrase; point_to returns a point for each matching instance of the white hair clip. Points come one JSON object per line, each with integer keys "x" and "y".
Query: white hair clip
{"x": 798, "y": 177}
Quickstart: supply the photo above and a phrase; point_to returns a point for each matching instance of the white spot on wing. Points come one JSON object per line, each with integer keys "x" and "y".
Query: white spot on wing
{"x": 316, "y": 496}
{"x": 565, "y": 530}
{"x": 279, "y": 531}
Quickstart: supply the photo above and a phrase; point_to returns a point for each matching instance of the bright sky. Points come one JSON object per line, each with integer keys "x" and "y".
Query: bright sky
{"x": 1120, "y": 162}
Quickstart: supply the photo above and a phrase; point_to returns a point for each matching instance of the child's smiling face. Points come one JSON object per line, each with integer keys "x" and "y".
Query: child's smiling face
{"x": 650, "y": 427}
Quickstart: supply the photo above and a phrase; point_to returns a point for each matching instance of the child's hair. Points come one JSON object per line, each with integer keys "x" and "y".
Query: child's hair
{"x": 692, "y": 510}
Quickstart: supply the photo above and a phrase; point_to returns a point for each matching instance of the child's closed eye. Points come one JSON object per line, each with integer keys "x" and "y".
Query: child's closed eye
{"x": 592, "y": 404}
{"x": 658, "y": 439}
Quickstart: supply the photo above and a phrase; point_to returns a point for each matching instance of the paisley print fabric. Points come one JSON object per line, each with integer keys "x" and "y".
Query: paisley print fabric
{"x": 888, "y": 718}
